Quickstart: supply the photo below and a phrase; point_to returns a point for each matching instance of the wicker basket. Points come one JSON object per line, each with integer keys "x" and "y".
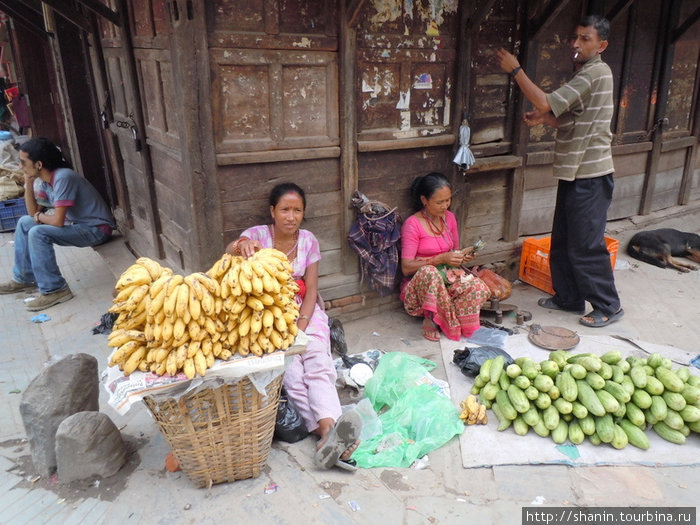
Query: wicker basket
{"x": 220, "y": 434}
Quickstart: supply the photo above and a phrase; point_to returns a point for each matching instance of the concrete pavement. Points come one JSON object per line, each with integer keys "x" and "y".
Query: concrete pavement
{"x": 661, "y": 307}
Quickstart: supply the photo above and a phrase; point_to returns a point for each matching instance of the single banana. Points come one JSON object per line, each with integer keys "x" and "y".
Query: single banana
{"x": 265, "y": 343}
{"x": 224, "y": 289}
{"x": 232, "y": 337}
{"x": 280, "y": 323}
{"x": 244, "y": 345}
{"x": 182, "y": 301}
{"x": 195, "y": 286}
{"x": 153, "y": 267}
{"x": 276, "y": 340}
{"x": 208, "y": 304}
{"x": 220, "y": 267}
{"x": 193, "y": 347}
{"x": 472, "y": 403}
{"x": 160, "y": 369}
{"x": 255, "y": 349}
{"x": 268, "y": 318}
{"x": 288, "y": 341}
{"x": 134, "y": 274}
{"x": 256, "y": 284}
{"x": 121, "y": 354}
{"x": 193, "y": 329}
{"x": 136, "y": 297}
{"x": 208, "y": 282}
{"x": 231, "y": 276}
{"x": 188, "y": 368}
{"x": 162, "y": 354}
{"x": 255, "y": 325}
{"x": 194, "y": 305}
{"x": 244, "y": 327}
{"x": 265, "y": 253}
{"x": 124, "y": 293}
{"x": 210, "y": 326}
{"x": 255, "y": 303}
{"x": 245, "y": 284}
{"x": 207, "y": 346}
{"x": 179, "y": 328}
{"x": 119, "y": 337}
{"x": 200, "y": 363}
{"x": 118, "y": 308}
{"x": 167, "y": 329}
{"x": 171, "y": 363}
{"x": 270, "y": 284}
{"x": 134, "y": 359}
{"x": 180, "y": 355}
{"x": 169, "y": 305}
{"x": 158, "y": 285}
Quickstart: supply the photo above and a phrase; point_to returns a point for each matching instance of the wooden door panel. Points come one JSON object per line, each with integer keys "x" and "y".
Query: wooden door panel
{"x": 270, "y": 100}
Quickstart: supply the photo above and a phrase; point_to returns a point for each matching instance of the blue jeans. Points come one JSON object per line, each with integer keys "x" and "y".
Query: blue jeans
{"x": 35, "y": 259}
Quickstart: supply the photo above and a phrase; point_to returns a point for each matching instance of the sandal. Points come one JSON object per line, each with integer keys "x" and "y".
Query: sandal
{"x": 431, "y": 333}
{"x": 341, "y": 437}
{"x": 346, "y": 464}
{"x": 600, "y": 319}
{"x": 548, "y": 302}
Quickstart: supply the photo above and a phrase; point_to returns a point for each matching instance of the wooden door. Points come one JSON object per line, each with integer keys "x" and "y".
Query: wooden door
{"x": 138, "y": 220}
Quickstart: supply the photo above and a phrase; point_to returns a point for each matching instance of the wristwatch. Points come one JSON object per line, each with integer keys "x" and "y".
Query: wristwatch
{"x": 36, "y": 217}
{"x": 515, "y": 70}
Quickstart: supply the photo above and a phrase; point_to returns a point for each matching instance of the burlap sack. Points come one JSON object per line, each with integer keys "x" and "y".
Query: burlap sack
{"x": 9, "y": 189}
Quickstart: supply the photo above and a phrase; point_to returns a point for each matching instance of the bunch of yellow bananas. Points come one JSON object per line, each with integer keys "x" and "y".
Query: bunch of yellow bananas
{"x": 258, "y": 301}
{"x": 168, "y": 323}
{"x": 131, "y": 293}
{"x": 473, "y": 411}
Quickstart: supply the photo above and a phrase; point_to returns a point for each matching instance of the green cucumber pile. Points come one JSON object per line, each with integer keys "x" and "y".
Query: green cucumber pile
{"x": 606, "y": 398}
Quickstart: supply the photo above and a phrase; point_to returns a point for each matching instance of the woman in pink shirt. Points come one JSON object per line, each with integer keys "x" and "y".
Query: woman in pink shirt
{"x": 445, "y": 298}
{"x": 310, "y": 378}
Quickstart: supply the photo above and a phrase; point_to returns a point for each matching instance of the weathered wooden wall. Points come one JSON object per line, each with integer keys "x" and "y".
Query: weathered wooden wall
{"x": 282, "y": 73}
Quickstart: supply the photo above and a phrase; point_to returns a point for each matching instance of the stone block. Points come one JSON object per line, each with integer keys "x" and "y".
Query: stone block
{"x": 88, "y": 444}
{"x": 62, "y": 389}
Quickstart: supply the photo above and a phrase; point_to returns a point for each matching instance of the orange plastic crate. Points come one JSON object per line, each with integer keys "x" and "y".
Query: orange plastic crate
{"x": 534, "y": 261}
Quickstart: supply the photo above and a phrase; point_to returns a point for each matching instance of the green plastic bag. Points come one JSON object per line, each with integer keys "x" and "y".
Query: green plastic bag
{"x": 419, "y": 420}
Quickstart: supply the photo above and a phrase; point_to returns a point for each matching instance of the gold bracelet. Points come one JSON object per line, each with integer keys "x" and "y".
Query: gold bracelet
{"x": 304, "y": 317}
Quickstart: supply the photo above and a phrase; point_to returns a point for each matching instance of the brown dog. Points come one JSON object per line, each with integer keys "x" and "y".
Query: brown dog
{"x": 659, "y": 247}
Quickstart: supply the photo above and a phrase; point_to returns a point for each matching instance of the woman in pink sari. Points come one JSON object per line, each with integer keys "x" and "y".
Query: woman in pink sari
{"x": 310, "y": 378}
{"x": 434, "y": 287}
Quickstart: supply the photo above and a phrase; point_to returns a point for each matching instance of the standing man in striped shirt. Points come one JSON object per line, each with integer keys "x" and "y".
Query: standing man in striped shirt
{"x": 581, "y": 111}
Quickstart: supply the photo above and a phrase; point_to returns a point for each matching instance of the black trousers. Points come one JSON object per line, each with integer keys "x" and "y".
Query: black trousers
{"x": 579, "y": 259}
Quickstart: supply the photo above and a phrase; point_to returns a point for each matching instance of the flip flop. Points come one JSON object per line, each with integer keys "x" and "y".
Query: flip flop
{"x": 600, "y": 319}
{"x": 349, "y": 465}
{"x": 341, "y": 437}
{"x": 548, "y": 302}
{"x": 431, "y": 334}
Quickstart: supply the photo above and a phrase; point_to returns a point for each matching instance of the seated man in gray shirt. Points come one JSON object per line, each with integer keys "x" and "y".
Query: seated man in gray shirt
{"x": 81, "y": 218}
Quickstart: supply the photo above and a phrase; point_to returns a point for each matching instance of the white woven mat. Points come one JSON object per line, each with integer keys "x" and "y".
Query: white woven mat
{"x": 483, "y": 445}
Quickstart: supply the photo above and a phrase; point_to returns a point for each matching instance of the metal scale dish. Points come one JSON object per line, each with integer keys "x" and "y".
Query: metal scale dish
{"x": 553, "y": 337}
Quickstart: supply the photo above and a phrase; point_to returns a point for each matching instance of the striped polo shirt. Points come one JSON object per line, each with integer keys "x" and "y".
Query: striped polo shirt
{"x": 584, "y": 108}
